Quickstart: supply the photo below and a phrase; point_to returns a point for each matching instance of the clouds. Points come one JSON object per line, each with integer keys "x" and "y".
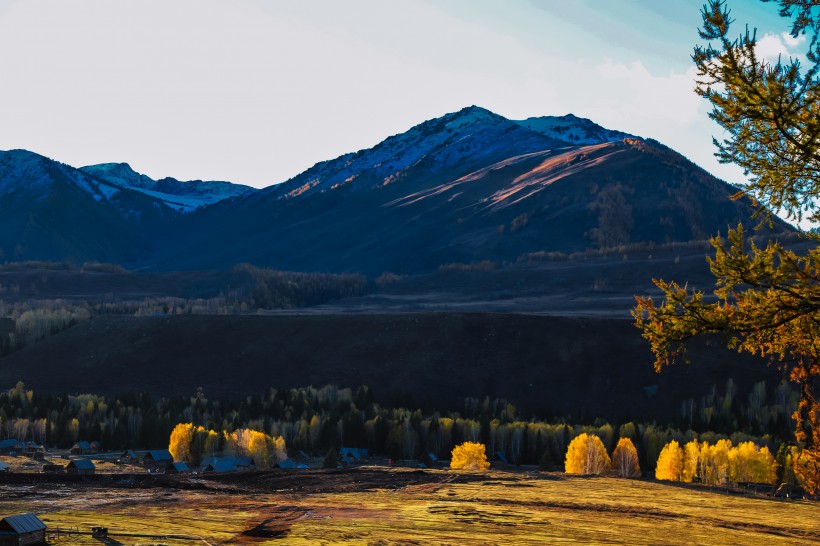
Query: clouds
{"x": 780, "y": 46}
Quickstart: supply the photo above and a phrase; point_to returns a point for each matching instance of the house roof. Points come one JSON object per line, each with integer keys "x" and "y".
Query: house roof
{"x": 287, "y": 463}
{"x": 23, "y": 523}
{"x": 3, "y": 466}
{"x": 226, "y": 464}
{"x": 181, "y": 467}
{"x": 82, "y": 445}
{"x": 82, "y": 464}
{"x": 355, "y": 452}
{"x": 7, "y": 443}
{"x": 158, "y": 455}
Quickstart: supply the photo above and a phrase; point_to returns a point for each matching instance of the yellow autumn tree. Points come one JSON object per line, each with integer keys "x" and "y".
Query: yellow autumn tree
{"x": 180, "y": 441}
{"x": 750, "y": 463}
{"x": 670, "y": 463}
{"x": 586, "y": 454}
{"x": 625, "y": 459}
{"x": 265, "y": 450}
{"x": 715, "y": 462}
{"x": 469, "y": 456}
{"x": 691, "y": 461}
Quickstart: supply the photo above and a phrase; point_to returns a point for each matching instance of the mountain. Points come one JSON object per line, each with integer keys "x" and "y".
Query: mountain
{"x": 53, "y": 211}
{"x": 466, "y": 187}
{"x": 470, "y": 186}
{"x": 572, "y": 129}
{"x": 182, "y": 196}
{"x": 467, "y": 139}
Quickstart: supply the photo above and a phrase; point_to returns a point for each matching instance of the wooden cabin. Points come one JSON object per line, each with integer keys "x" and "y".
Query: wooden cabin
{"x": 22, "y": 530}
{"x": 80, "y": 466}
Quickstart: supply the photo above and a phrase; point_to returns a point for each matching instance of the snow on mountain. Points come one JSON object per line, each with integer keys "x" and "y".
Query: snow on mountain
{"x": 183, "y": 196}
{"x": 471, "y": 137}
{"x": 30, "y": 174}
{"x": 462, "y": 139}
{"x": 572, "y": 129}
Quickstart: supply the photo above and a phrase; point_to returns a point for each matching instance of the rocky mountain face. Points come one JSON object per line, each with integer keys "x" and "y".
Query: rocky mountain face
{"x": 183, "y": 196}
{"x": 53, "y": 211}
{"x": 467, "y": 187}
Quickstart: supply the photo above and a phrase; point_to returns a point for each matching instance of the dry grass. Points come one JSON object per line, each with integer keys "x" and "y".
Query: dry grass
{"x": 503, "y": 508}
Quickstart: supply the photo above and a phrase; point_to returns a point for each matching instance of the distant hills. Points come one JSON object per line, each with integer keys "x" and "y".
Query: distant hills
{"x": 466, "y": 187}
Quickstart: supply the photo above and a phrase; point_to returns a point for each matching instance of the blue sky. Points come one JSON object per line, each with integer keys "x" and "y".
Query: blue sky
{"x": 257, "y": 91}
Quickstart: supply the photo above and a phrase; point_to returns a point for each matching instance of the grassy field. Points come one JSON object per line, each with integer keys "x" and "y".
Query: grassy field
{"x": 436, "y": 507}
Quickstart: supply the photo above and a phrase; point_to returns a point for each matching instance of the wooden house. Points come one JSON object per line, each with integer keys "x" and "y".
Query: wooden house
{"x": 85, "y": 448}
{"x": 22, "y": 530}
{"x": 227, "y": 464}
{"x": 178, "y": 468}
{"x": 157, "y": 459}
{"x": 80, "y": 466}
{"x": 8, "y": 446}
{"x": 352, "y": 455}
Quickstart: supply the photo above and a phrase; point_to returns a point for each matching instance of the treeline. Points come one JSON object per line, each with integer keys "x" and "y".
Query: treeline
{"x": 287, "y": 290}
{"x": 192, "y": 444}
{"x": 35, "y": 319}
{"x": 315, "y": 420}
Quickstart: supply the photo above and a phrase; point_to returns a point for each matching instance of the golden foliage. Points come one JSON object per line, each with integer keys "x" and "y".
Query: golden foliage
{"x": 769, "y": 305}
{"x": 469, "y": 456}
{"x": 180, "y": 442}
{"x": 670, "y": 463}
{"x": 190, "y": 443}
{"x": 265, "y": 450}
{"x": 625, "y": 459}
{"x": 586, "y": 454}
{"x": 691, "y": 461}
{"x": 750, "y": 463}
{"x": 807, "y": 470}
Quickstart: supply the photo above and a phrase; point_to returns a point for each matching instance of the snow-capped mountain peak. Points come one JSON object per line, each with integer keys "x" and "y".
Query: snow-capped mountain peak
{"x": 179, "y": 195}
{"x": 572, "y": 129}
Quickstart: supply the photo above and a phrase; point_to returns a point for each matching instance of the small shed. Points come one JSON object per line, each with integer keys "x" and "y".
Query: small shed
{"x": 21, "y": 530}
{"x": 157, "y": 460}
{"x": 227, "y": 464}
{"x": 351, "y": 455}
{"x": 83, "y": 448}
{"x": 80, "y": 466}
{"x": 178, "y": 468}
{"x": 129, "y": 456}
{"x": 8, "y": 446}
{"x": 4, "y": 467}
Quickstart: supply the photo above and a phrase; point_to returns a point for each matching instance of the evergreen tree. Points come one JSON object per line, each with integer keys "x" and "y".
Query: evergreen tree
{"x": 768, "y": 299}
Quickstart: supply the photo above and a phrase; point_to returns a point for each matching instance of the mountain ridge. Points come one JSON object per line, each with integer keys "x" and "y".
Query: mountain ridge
{"x": 469, "y": 186}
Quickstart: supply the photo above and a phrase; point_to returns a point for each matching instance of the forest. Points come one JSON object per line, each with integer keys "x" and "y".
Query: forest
{"x": 315, "y": 420}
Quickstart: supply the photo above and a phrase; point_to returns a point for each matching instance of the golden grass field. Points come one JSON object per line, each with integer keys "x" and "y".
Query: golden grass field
{"x": 434, "y": 507}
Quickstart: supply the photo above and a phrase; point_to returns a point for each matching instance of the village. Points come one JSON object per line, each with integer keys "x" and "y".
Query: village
{"x": 30, "y": 461}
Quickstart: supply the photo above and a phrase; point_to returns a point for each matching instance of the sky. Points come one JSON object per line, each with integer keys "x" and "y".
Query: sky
{"x": 255, "y": 91}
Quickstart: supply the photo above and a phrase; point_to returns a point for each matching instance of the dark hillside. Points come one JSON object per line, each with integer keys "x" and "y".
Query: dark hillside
{"x": 565, "y": 199}
{"x": 579, "y": 367}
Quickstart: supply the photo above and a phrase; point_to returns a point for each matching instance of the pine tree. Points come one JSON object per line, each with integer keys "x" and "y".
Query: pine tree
{"x": 768, "y": 299}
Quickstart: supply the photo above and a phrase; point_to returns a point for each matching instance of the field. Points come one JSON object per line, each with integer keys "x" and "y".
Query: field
{"x": 400, "y": 506}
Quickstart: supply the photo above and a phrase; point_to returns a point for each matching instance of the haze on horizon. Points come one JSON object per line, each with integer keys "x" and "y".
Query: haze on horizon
{"x": 255, "y": 92}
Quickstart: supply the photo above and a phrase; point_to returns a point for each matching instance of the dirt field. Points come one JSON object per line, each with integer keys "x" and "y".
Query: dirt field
{"x": 393, "y": 506}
